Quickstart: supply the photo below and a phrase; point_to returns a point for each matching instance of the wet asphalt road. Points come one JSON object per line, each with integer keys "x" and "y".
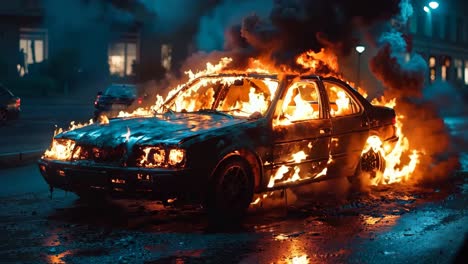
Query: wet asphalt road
{"x": 390, "y": 224}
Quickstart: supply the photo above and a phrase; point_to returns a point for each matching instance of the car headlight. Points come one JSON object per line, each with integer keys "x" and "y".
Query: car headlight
{"x": 60, "y": 149}
{"x": 176, "y": 156}
{"x": 151, "y": 157}
{"x": 160, "y": 157}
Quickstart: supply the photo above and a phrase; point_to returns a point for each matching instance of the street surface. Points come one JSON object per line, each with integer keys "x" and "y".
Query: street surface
{"x": 39, "y": 116}
{"x": 321, "y": 223}
{"x": 392, "y": 224}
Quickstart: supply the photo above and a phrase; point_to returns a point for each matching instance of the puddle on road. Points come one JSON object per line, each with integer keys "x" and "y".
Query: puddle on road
{"x": 381, "y": 221}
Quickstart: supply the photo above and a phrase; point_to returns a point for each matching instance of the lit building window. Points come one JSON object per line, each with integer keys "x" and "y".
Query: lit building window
{"x": 432, "y": 69}
{"x": 166, "y": 56}
{"x": 445, "y": 69}
{"x": 459, "y": 66}
{"x": 122, "y": 58}
{"x": 432, "y": 62}
{"x": 432, "y": 74}
{"x": 32, "y": 49}
{"x": 466, "y": 72}
{"x": 443, "y": 72}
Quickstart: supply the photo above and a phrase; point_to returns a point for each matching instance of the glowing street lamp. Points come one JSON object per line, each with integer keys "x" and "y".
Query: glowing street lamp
{"x": 433, "y": 5}
{"x": 360, "y": 49}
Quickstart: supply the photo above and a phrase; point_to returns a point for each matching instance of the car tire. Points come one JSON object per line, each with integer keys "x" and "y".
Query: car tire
{"x": 231, "y": 191}
{"x": 370, "y": 164}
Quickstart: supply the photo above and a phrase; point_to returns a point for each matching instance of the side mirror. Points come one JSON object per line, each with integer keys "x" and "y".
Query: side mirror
{"x": 99, "y": 93}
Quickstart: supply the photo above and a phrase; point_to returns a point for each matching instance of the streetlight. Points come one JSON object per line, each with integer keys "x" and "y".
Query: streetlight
{"x": 360, "y": 49}
{"x": 433, "y": 5}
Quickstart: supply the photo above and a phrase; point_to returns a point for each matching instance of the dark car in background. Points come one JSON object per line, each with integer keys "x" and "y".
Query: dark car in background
{"x": 116, "y": 98}
{"x": 222, "y": 138}
{"x": 10, "y": 105}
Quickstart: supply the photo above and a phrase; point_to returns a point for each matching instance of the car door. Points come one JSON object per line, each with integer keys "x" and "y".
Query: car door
{"x": 349, "y": 128}
{"x": 301, "y": 135}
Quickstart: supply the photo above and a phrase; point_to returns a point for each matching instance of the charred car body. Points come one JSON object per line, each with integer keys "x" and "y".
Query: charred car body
{"x": 222, "y": 138}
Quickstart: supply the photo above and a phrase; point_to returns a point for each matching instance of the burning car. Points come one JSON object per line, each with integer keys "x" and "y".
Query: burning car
{"x": 221, "y": 138}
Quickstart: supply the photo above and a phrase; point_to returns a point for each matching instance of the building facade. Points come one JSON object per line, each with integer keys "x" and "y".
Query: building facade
{"x": 81, "y": 39}
{"x": 441, "y": 36}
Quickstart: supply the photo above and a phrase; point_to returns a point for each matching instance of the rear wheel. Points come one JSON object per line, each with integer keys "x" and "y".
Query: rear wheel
{"x": 231, "y": 190}
{"x": 371, "y": 164}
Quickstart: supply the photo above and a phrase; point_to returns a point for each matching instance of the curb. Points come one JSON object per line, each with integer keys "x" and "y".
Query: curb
{"x": 14, "y": 159}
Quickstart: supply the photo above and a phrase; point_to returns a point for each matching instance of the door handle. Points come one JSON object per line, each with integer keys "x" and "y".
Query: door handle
{"x": 325, "y": 130}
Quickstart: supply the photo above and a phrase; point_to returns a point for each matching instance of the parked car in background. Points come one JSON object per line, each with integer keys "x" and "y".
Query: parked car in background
{"x": 116, "y": 98}
{"x": 10, "y": 105}
{"x": 222, "y": 138}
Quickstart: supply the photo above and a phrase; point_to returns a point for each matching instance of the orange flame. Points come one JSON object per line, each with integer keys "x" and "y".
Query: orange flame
{"x": 258, "y": 101}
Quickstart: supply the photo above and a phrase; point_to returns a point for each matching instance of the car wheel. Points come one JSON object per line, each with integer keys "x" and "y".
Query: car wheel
{"x": 371, "y": 163}
{"x": 231, "y": 190}
{"x": 3, "y": 116}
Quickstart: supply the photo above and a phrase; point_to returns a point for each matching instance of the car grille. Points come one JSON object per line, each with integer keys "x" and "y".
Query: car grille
{"x": 110, "y": 155}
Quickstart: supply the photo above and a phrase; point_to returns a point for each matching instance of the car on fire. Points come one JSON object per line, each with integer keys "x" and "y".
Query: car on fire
{"x": 222, "y": 138}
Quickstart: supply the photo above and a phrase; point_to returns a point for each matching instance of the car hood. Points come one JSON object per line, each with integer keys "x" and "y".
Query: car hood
{"x": 165, "y": 129}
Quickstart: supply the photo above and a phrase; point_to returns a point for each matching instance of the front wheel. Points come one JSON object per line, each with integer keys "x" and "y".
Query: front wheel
{"x": 231, "y": 190}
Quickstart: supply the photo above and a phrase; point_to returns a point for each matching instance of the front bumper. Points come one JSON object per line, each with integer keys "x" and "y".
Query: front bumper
{"x": 124, "y": 182}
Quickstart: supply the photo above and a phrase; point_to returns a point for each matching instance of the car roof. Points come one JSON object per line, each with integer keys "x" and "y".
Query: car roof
{"x": 263, "y": 75}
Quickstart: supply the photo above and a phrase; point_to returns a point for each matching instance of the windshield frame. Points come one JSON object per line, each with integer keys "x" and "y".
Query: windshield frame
{"x": 168, "y": 104}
